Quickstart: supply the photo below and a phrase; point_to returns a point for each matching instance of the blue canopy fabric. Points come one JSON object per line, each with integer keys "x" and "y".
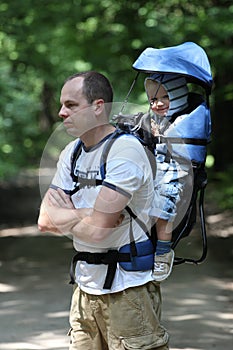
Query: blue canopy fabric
{"x": 187, "y": 59}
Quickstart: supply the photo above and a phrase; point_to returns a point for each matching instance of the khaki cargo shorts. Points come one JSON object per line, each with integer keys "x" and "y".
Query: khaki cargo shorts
{"x": 125, "y": 320}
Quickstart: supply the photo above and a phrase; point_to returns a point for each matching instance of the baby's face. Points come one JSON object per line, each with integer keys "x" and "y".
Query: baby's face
{"x": 158, "y": 98}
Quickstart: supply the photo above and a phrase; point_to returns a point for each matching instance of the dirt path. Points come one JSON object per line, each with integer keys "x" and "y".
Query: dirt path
{"x": 35, "y": 295}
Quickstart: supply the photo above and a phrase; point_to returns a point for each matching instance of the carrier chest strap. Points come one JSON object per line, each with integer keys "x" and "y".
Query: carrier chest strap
{"x": 85, "y": 183}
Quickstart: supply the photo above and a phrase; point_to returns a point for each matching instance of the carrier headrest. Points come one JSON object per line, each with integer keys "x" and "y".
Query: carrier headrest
{"x": 177, "y": 90}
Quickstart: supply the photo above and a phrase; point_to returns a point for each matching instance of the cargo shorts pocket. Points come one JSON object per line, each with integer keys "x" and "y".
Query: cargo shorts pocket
{"x": 126, "y": 313}
{"x": 135, "y": 311}
{"x": 147, "y": 342}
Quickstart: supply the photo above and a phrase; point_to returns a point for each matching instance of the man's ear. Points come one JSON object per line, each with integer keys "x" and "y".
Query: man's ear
{"x": 98, "y": 106}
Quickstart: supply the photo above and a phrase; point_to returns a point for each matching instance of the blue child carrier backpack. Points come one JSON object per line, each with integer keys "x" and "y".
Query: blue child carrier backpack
{"x": 188, "y": 60}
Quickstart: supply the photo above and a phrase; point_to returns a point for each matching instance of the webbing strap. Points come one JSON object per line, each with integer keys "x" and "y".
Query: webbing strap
{"x": 186, "y": 140}
{"x": 85, "y": 183}
{"x": 138, "y": 221}
{"x": 110, "y": 258}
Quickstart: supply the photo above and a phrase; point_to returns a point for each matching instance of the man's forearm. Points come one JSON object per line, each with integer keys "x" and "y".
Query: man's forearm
{"x": 60, "y": 220}
{"x": 89, "y": 225}
{"x": 77, "y": 222}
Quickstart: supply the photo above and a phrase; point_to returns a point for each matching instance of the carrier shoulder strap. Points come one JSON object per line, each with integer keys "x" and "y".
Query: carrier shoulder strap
{"x": 81, "y": 182}
{"x": 112, "y": 257}
{"x": 74, "y": 158}
{"x": 78, "y": 149}
{"x": 103, "y": 162}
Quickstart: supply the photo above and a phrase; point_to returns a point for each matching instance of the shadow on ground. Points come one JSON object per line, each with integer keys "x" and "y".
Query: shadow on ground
{"x": 35, "y": 296}
{"x": 34, "y": 292}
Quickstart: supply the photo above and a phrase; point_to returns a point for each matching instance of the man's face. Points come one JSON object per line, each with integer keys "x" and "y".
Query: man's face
{"x": 158, "y": 98}
{"x": 77, "y": 113}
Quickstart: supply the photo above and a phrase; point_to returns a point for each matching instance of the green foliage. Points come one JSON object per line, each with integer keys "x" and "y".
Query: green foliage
{"x": 20, "y": 132}
{"x": 220, "y": 190}
{"x": 44, "y": 41}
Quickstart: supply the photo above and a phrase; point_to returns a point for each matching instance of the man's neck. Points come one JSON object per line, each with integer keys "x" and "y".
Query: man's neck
{"x": 94, "y": 136}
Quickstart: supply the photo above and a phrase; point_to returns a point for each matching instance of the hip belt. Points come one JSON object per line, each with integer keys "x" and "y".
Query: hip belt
{"x": 131, "y": 257}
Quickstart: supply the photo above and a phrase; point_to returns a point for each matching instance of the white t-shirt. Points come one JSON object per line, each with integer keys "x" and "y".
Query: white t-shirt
{"x": 128, "y": 171}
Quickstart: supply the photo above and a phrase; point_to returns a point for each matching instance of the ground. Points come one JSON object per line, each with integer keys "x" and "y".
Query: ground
{"x": 35, "y": 294}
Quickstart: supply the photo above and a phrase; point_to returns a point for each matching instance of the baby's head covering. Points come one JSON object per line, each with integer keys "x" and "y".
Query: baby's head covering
{"x": 176, "y": 87}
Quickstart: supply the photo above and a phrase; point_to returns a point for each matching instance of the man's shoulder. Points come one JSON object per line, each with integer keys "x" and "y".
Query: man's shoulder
{"x": 68, "y": 151}
{"x": 128, "y": 140}
{"x": 128, "y": 148}
{"x": 70, "y": 147}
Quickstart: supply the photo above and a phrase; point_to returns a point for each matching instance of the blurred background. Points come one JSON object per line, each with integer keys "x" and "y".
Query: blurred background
{"x": 42, "y": 42}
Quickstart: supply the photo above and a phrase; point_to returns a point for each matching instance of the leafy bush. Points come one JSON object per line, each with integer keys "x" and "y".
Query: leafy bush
{"x": 220, "y": 189}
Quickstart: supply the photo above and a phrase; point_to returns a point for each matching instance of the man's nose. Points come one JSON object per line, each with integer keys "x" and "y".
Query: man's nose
{"x": 63, "y": 113}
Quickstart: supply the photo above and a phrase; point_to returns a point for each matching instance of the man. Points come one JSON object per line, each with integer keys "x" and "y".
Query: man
{"x": 125, "y": 312}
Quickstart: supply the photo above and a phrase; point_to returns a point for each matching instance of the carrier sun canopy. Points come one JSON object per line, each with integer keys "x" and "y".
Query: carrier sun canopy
{"x": 187, "y": 59}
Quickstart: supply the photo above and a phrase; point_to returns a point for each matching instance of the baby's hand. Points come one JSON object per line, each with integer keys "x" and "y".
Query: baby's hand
{"x": 154, "y": 128}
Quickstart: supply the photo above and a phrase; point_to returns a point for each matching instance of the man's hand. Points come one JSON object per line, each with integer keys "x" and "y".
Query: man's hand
{"x": 58, "y": 198}
{"x": 58, "y": 214}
